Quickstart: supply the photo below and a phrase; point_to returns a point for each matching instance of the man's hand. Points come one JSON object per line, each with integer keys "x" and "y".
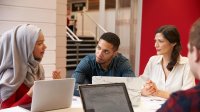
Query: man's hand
{"x": 56, "y": 74}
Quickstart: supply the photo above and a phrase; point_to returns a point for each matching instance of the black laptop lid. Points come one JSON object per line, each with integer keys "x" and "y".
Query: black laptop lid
{"x": 105, "y": 98}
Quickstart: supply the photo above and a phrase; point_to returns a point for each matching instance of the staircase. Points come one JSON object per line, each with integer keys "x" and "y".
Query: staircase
{"x": 76, "y": 50}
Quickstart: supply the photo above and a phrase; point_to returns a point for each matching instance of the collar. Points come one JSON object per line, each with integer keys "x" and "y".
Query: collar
{"x": 109, "y": 66}
{"x": 181, "y": 60}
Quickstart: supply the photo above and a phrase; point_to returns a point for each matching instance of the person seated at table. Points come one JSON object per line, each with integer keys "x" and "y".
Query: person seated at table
{"x": 188, "y": 100}
{"x": 21, "y": 51}
{"x": 105, "y": 62}
{"x": 167, "y": 71}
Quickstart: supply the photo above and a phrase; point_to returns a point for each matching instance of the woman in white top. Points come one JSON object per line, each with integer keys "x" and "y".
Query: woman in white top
{"x": 168, "y": 71}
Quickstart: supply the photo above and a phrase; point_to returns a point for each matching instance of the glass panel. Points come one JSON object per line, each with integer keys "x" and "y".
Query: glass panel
{"x": 123, "y": 18}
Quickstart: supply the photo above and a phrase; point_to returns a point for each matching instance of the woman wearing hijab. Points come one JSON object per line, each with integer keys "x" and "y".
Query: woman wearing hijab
{"x": 21, "y": 51}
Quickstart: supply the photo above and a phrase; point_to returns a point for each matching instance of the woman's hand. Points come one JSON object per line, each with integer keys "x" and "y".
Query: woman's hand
{"x": 56, "y": 74}
{"x": 162, "y": 94}
{"x": 149, "y": 88}
{"x": 30, "y": 92}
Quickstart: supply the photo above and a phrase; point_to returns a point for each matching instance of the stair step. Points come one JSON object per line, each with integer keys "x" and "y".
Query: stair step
{"x": 73, "y": 52}
{"x": 71, "y": 65}
{"x": 83, "y": 38}
{"x": 70, "y": 68}
{"x": 85, "y": 47}
{"x": 86, "y": 37}
{"x": 81, "y": 42}
{"x": 73, "y": 60}
{"x": 81, "y": 50}
{"x": 80, "y": 54}
{"x": 81, "y": 45}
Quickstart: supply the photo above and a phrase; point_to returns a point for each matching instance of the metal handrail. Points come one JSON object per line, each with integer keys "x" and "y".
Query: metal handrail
{"x": 84, "y": 12}
{"x": 72, "y": 35}
{"x": 76, "y": 40}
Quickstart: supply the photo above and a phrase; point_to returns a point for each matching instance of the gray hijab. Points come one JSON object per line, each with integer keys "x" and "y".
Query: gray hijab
{"x": 17, "y": 63}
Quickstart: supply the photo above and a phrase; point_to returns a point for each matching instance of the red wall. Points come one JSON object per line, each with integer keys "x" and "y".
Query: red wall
{"x": 155, "y": 13}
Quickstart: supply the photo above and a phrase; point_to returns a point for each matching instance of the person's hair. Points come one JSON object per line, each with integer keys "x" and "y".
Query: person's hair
{"x": 112, "y": 39}
{"x": 171, "y": 33}
{"x": 194, "y": 39}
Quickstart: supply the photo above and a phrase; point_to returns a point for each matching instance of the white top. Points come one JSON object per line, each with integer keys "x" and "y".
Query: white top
{"x": 180, "y": 78}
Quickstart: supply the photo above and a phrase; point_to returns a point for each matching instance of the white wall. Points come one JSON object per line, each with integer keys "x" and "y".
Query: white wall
{"x": 110, "y": 25}
{"x": 89, "y": 26}
{"x": 123, "y": 30}
{"x": 45, "y": 14}
{"x": 61, "y": 36}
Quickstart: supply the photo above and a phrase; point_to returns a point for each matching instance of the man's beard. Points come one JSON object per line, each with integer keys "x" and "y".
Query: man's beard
{"x": 99, "y": 61}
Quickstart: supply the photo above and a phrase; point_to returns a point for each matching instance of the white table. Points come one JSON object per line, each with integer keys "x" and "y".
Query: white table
{"x": 147, "y": 104}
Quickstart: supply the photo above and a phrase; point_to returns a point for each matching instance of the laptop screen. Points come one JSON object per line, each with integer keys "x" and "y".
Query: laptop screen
{"x": 105, "y": 98}
{"x": 133, "y": 85}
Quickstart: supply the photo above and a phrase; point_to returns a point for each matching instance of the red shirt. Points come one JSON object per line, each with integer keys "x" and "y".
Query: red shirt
{"x": 68, "y": 21}
{"x": 18, "y": 98}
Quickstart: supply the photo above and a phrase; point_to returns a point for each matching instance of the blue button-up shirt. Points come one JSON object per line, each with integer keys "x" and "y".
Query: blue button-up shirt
{"x": 88, "y": 67}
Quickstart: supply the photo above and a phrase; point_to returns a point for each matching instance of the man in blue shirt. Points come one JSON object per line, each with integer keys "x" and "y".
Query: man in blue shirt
{"x": 106, "y": 62}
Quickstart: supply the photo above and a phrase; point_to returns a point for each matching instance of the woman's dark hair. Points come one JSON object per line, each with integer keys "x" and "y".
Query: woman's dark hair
{"x": 112, "y": 39}
{"x": 171, "y": 33}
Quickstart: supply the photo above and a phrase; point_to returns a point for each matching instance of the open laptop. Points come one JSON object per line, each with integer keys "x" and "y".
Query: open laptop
{"x": 111, "y": 97}
{"x": 52, "y": 94}
{"x": 133, "y": 85}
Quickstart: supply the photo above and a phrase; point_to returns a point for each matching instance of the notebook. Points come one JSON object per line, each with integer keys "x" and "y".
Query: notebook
{"x": 133, "y": 85}
{"x": 52, "y": 94}
{"x": 111, "y": 97}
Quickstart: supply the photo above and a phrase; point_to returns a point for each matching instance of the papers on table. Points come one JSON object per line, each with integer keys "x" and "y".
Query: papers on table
{"x": 15, "y": 109}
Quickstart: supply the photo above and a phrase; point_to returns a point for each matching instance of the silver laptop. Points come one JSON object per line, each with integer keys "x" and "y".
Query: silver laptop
{"x": 111, "y": 97}
{"x": 133, "y": 85}
{"x": 52, "y": 94}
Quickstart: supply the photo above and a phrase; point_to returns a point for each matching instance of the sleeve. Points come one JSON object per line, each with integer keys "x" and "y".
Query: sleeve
{"x": 147, "y": 70}
{"x": 19, "y": 98}
{"x": 188, "y": 78}
{"x": 174, "y": 103}
{"x": 80, "y": 73}
{"x": 167, "y": 106}
{"x": 26, "y": 99}
{"x": 82, "y": 70}
{"x": 126, "y": 69}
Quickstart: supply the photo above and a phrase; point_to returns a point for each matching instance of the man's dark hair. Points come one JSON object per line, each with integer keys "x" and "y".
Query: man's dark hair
{"x": 112, "y": 39}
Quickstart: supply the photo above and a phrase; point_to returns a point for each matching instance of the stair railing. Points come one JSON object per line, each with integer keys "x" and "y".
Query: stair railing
{"x": 71, "y": 34}
{"x": 76, "y": 40}
{"x": 84, "y": 13}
